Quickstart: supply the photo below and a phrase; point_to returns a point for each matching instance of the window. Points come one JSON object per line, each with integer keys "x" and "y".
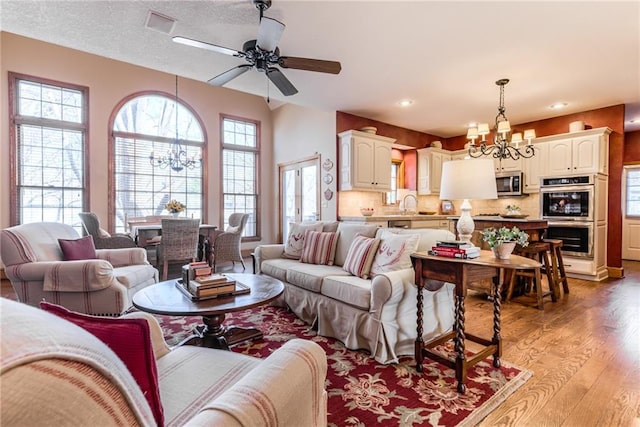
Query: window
{"x": 397, "y": 181}
{"x": 633, "y": 192}
{"x": 147, "y": 125}
{"x": 240, "y": 154}
{"x": 49, "y": 135}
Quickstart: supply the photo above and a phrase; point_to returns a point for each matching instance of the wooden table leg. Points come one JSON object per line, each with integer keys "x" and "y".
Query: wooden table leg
{"x": 458, "y": 344}
{"x": 419, "y": 345}
{"x": 497, "y": 339}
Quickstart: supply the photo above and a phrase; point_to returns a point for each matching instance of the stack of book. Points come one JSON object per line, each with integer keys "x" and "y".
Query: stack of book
{"x": 455, "y": 249}
{"x": 195, "y": 269}
{"x": 211, "y": 286}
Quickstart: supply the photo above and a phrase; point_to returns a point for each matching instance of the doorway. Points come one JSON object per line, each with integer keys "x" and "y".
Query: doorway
{"x": 631, "y": 213}
{"x": 299, "y": 193}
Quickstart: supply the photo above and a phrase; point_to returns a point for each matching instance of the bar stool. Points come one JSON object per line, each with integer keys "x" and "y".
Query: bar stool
{"x": 557, "y": 265}
{"x": 538, "y": 251}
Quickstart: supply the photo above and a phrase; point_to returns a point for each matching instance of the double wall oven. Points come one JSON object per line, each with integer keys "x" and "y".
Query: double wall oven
{"x": 568, "y": 204}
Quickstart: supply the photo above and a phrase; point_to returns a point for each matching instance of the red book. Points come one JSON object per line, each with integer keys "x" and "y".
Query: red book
{"x": 465, "y": 251}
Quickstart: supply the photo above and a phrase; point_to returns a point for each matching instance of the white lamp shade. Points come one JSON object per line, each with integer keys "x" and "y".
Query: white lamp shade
{"x": 468, "y": 179}
{"x": 529, "y": 134}
{"x": 516, "y": 138}
{"x": 483, "y": 129}
{"x": 504, "y": 126}
{"x": 472, "y": 133}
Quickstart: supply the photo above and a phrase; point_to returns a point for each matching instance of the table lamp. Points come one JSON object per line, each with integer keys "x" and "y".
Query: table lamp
{"x": 464, "y": 180}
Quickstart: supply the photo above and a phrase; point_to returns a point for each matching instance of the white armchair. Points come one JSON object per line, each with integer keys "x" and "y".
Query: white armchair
{"x": 35, "y": 266}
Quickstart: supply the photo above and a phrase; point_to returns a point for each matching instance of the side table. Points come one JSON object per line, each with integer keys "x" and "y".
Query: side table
{"x": 461, "y": 272}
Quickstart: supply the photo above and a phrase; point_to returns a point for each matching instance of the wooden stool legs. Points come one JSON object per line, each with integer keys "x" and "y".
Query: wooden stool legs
{"x": 559, "y": 274}
{"x": 539, "y": 252}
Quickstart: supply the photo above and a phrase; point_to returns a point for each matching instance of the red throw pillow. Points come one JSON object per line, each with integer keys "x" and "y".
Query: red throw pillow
{"x": 130, "y": 340}
{"x": 78, "y": 249}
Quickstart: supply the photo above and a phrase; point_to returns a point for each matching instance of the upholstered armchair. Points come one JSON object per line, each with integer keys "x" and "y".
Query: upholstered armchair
{"x": 36, "y": 267}
{"x": 226, "y": 245}
{"x": 56, "y": 373}
{"x": 102, "y": 239}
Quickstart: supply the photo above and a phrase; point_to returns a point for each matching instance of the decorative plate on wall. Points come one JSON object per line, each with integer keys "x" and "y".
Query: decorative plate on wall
{"x": 328, "y": 179}
{"x": 327, "y": 165}
{"x": 328, "y": 194}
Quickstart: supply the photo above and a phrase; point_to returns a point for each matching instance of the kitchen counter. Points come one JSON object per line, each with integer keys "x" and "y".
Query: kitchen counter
{"x": 499, "y": 219}
{"x": 535, "y": 227}
{"x": 392, "y": 217}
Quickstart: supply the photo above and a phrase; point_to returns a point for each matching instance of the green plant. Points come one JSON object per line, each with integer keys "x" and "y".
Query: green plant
{"x": 503, "y": 235}
{"x": 514, "y": 208}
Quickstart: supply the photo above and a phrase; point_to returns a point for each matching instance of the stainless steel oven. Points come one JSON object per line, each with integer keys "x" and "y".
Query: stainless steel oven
{"x": 568, "y": 204}
{"x": 567, "y": 198}
{"x": 576, "y": 236}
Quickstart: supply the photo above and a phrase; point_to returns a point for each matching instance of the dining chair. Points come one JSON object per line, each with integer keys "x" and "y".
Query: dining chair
{"x": 101, "y": 238}
{"x": 179, "y": 242}
{"x": 226, "y": 245}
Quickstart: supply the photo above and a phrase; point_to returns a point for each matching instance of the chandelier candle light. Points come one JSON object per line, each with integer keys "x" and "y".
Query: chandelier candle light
{"x": 464, "y": 180}
{"x": 176, "y": 157}
{"x": 502, "y": 147}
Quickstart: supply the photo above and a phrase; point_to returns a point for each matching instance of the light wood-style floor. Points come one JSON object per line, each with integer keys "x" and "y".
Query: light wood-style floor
{"x": 584, "y": 352}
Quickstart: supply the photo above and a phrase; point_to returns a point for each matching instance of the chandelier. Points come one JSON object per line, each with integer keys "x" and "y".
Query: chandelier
{"x": 502, "y": 147}
{"x": 175, "y": 157}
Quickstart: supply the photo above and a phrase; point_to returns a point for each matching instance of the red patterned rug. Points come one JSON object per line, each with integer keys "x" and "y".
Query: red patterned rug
{"x": 363, "y": 392}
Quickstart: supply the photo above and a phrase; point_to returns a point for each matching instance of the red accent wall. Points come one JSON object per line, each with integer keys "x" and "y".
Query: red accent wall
{"x": 413, "y": 138}
{"x": 631, "y": 147}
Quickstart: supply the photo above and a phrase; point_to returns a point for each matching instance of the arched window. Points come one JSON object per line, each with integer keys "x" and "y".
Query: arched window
{"x": 148, "y": 130}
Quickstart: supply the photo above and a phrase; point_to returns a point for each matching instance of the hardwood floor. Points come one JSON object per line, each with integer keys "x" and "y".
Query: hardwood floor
{"x": 584, "y": 352}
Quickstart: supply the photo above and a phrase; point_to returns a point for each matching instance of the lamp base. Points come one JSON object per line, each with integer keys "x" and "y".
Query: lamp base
{"x": 465, "y": 224}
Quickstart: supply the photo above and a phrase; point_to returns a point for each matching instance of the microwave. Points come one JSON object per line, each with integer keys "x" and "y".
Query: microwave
{"x": 509, "y": 184}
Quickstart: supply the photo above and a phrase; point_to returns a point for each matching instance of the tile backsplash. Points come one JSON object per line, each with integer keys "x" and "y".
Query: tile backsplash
{"x": 350, "y": 203}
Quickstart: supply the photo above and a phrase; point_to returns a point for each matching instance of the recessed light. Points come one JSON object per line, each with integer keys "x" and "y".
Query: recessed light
{"x": 405, "y": 102}
{"x": 636, "y": 120}
{"x": 558, "y": 105}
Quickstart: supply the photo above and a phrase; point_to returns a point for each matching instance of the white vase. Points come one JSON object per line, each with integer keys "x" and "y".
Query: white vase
{"x": 175, "y": 214}
{"x": 504, "y": 250}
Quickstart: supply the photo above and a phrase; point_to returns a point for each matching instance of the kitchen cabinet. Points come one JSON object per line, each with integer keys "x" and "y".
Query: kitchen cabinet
{"x": 507, "y": 165}
{"x": 535, "y": 167}
{"x": 365, "y": 161}
{"x": 430, "y": 162}
{"x": 581, "y": 154}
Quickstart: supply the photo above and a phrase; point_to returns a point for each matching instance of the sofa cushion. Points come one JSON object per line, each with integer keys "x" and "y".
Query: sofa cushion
{"x": 351, "y": 290}
{"x": 133, "y": 275}
{"x": 186, "y": 388}
{"x": 319, "y": 247}
{"x": 428, "y": 236}
{"x": 347, "y": 233}
{"x": 360, "y": 256}
{"x": 295, "y": 240}
{"x": 394, "y": 252}
{"x": 309, "y": 276}
{"x": 78, "y": 249}
{"x": 130, "y": 340}
{"x": 278, "y": 267}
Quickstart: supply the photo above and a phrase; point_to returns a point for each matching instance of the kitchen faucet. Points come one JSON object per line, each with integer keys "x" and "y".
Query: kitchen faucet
{"x": 404, "y": 202}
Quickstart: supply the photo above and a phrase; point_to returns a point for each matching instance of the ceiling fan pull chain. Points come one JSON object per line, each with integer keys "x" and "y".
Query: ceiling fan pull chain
{"x": 268, "y": 100}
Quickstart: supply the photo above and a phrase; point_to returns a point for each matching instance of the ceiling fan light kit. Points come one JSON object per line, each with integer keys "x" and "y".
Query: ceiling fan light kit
{"x": 263, "y": 54}
{"x": 502, "y": 147}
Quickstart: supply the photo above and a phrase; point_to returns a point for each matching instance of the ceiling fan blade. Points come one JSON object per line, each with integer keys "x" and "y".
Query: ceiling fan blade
{"x": 208, "y": 46}
{"x": 319, "y": 65}
{"x": 227, "y": 76}
{"x": 269, "y": 34}
{"x": 282, "y": 83}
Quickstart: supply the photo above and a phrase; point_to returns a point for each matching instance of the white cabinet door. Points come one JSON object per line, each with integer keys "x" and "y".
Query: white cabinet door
{"x": 430, "y": 170}
{"x": 535, "y": 167}
{"x": 510, "y": 165}
{"x": 560, "y": 157}
{"x": 362, "y": 163}
{"x": 382, "y": 166}
{"x": 423, "y": 172}
{"x": 585, "y": 154}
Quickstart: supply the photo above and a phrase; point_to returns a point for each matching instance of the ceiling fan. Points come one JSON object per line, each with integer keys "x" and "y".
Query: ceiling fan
{"x": 263, "y": 54}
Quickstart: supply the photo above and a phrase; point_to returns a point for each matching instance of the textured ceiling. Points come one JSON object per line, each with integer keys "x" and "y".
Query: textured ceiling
{"x": 445, "y": 56}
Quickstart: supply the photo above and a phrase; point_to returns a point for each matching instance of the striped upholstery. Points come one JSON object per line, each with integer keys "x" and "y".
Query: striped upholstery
{"x": 34, "y": 264}
{"x": 55, "y": 373}
{"x": 360, "y": 256}
{"x": 319, "y": 247}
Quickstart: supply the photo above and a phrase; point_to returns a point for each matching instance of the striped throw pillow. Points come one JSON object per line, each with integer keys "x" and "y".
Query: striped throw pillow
{"x": 360, "y": 256}
{"x": 319, "y": 247}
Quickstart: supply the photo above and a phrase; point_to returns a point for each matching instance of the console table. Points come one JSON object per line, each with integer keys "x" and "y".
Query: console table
{"x": 461, "y": 272}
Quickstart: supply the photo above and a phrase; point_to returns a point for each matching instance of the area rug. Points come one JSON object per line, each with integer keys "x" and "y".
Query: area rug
{"x": 363, "y": 392}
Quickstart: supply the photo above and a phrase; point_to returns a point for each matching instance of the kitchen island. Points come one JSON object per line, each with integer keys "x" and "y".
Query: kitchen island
{"x": 534, "y": 227}
{"x": 402, "y": 221}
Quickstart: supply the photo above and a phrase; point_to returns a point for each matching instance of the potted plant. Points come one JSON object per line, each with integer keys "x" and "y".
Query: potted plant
{"x": 513, "y": 210}
{"x": 502, "y": 241}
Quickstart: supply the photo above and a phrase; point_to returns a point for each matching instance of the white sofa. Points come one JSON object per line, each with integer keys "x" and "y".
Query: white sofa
{"x": 378, "y": 314}
{"x": 53, "y": 372}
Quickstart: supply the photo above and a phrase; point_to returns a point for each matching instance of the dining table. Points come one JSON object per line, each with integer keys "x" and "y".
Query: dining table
{"x": 146, "y": 234}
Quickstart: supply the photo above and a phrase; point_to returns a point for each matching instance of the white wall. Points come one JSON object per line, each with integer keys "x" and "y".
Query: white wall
{"x": 109, "y": 82}
{"x": 300, "y": 132}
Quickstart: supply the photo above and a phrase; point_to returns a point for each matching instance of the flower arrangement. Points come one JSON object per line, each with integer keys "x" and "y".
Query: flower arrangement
{"x": 174, "y": 206}
{"x": 504, "y": 235}
{"x": 513, "y": 208}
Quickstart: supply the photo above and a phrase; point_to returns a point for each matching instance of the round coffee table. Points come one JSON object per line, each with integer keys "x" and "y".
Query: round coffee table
{"x": 165, "y": 298}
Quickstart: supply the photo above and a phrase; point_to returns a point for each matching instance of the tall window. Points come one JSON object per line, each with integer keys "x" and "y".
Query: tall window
{"x": 397, "y": 181}
{"x": 240, "y": 153}
{"x": 148, "y": 124}
{"x": 633, "y": 192}
{"x": 49, "y": 130}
